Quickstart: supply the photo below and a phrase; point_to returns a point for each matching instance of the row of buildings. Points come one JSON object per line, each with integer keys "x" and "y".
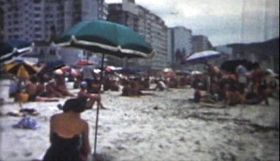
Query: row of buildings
{"x": 40, "y": 21}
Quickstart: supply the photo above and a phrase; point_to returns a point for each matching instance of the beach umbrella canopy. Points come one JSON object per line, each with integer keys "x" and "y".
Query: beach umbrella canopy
{"x": 182, "y": 72}
{"x": 128, "y": 71}
{"x": 13, "y": 48}
{"x": 52, "y": 66}
{"x": 75, "y": 72}
{"x": 66, "y": 68}
{"x": 84, "y": 62}
{"x": 106, "y": 37}
{"x": 231, "y": 65}
{"x": 167, "y": 70}
{"x": 21, "y": 68}
{"x": 170, "y": 74}
{"x": 195, "y": 72}
{"x": 202, "y": 56}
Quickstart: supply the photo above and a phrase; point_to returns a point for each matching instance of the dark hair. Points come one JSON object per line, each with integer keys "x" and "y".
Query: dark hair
{"x": 33, "y": 79}
{"x": 75, "y": 105}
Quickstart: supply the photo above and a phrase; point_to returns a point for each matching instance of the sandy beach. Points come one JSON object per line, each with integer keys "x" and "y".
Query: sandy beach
{"x": 163, "y": 127}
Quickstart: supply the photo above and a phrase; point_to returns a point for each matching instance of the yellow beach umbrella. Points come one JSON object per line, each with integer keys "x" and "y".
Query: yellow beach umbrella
{"x": 21, "y": 68}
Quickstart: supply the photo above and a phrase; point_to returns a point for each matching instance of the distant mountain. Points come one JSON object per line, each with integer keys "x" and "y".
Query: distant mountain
{"x": 270, "y": 47}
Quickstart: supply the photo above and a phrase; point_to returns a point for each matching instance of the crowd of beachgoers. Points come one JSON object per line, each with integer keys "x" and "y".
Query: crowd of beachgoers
{"x": 242, "y": 86}
{"x": 213, "y": 88}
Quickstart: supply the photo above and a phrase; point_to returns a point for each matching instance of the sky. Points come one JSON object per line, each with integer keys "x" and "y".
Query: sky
{"x": 222, "y": 21}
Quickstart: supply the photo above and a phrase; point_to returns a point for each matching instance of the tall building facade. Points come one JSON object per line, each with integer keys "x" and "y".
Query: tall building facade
{"x": 150, "y": 26}
{"x": 36, "y": 20}
{"x": 41, "y": 21}
{"x": 1, "y": 24}
{"x": 179, "y": 45}
{"x": 201, "y": 43}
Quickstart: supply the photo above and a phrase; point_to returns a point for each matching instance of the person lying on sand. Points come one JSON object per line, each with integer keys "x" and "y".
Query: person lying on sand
{"x": 69, "y": 134}
{"x": 89, "y": 98}
{"x": 203, "y": 96}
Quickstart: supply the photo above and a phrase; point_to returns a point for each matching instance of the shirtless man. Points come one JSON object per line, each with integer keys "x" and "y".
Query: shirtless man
{"x": 32, "y": 91}
{"x": 88, "y": 97}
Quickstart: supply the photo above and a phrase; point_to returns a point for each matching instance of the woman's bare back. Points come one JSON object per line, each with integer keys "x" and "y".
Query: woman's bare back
{"x": 67, "y": 126}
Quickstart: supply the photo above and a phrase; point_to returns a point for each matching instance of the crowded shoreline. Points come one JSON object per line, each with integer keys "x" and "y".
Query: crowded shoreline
{"x": 163, "y": 126}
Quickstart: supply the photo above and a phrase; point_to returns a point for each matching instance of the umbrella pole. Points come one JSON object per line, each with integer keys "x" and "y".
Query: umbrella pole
{"x": 98, "y": 105}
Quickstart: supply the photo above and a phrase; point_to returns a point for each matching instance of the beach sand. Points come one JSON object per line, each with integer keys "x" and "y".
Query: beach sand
{"x": 162, "y": 127}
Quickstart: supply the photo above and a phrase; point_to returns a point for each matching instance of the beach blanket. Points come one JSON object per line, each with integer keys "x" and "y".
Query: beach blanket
{"x": 27, "y": 123}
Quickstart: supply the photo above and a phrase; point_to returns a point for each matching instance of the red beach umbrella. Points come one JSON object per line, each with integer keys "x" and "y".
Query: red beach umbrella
{"x": 84, "y": 62}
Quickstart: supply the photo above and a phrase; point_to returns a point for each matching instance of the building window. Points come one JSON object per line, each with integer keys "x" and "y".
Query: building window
{"x": 37, "y": 8}
{"x": 38, "y": 36}
{"x": 36, "y": 15}
{"x": 37, "y": 1}
{"x": 37, "y": 29}
{"x": 37, "y": 22}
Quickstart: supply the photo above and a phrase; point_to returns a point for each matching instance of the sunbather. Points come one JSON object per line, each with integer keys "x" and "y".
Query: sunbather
{"x": 31, "y": 90}
{"x": 89, "y": 98}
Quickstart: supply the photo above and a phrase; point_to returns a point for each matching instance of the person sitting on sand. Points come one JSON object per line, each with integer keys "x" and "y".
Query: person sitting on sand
{"x": 15, "y": 86}
{"x": 69, "y": 134}
{"x": 203, "y": 96}
{"x": 160, "y": 85}
{"x": 51, "y": 90}
{"x": 135, "y": 88}
{"x": 95, "y": 86}
{"x": 31, "y": 90}
{"x": 233, "y": 96}
{"x": 60, "y": 86}
{"x": 126, "y": 88}
{"x": 89, "y": 98}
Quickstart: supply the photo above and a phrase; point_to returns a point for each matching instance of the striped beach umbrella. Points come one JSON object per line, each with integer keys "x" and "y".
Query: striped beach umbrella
{"x": 21, "y": 68}
{"x": 14, "y": 48}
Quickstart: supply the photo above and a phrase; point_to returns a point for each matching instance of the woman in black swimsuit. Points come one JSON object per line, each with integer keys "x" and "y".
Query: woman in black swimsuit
{"x": 68, "y": 134}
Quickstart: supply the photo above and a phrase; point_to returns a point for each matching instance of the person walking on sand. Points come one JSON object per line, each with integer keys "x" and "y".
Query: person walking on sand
{"x": 89, "y": 98}
{"x": 69, "y": 134}
{"x": 88, "y": 76}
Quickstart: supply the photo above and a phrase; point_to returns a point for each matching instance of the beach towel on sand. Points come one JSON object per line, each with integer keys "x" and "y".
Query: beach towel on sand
{"x": 27, "y": 123}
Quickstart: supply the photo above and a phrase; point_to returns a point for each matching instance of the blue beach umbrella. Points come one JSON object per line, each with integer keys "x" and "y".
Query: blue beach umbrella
{"x": 202, "y": 56}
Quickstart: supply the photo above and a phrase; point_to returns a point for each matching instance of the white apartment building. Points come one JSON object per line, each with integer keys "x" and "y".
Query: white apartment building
{"x": 200, "y": 43}
{"x": 179, "y": 44}
{"x": 40, "y": 20}
{"x": 32, "y": 20}
{"x": 148, "y": 25}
